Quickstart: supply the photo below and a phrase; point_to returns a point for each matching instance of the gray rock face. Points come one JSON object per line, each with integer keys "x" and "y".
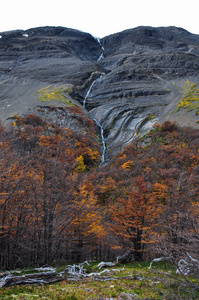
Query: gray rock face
{"x": 133, "y": 77}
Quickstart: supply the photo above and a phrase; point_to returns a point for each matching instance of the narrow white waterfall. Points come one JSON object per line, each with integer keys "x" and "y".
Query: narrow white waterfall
{"x": 96, "y": 121}
{"x": 100, "y": 57}
{"x": 102, "y": 139}
{"x": 90, "y": 88}
{"x": 88, "y": 93}
{"x": 86, "y": 97}
{"x": 102, "y": 54}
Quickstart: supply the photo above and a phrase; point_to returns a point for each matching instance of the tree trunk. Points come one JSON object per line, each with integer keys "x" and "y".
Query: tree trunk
{"x": 138, "y": 251}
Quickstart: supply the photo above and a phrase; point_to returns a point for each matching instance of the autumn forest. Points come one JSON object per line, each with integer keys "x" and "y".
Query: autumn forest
{"x": 58, "y": 203}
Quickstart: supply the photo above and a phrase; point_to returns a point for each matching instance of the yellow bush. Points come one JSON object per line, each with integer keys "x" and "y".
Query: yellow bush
{"x": 80, "y": 164}
{"x": 190, "y": 98}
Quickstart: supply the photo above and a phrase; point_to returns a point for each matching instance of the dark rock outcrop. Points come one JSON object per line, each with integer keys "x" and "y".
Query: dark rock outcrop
{"x": 135, "y": 83}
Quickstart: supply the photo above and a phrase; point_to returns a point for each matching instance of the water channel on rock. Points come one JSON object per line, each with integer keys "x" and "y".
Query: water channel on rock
{"x": 84, "y": 105}
{"x": 96, "y": 121}
{"x": 102, "y": 54}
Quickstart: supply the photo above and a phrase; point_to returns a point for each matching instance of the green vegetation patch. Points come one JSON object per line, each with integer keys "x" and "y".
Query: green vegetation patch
{"x": 159, "y": 282}
{"x": 190, "y": 99}
{"x": 150, "y": 117}
{"x": 55, "y": 93}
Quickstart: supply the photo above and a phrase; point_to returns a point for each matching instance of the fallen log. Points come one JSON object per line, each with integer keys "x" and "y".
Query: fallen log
{"x": 103, "y": 264}
{"x": 37, "y": 278}
{"x": 75, "y": 273}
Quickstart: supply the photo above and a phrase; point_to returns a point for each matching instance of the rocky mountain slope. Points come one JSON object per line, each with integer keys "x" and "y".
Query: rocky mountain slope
{"x": 126, "y": 81}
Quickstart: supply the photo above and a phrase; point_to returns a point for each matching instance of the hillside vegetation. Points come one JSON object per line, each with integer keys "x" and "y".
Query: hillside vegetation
{"x": 59, "y": 204}
{"x": 131, "y": 282}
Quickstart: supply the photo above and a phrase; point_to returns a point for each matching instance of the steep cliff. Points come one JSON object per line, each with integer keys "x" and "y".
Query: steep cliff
{"x": 126, "y": 81}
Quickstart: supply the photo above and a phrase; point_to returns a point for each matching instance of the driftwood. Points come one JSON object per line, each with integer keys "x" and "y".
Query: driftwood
{"x": 37, "y": 278}
{"x": 106, "y": 264}
{"x": 125, "y": 258}
{"x": 76, "y": 271}
{"x": 45, "y": 269}
{"x": 167, "y": 258}
{"x": 105, "y": 271}
{"x": 187, "y": 266}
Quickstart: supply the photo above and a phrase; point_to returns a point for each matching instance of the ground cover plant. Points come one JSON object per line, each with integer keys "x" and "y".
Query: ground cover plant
{"x": 190, "y": 100}
{"x": 55, "y": 93}
{"x": 159, "y": 282}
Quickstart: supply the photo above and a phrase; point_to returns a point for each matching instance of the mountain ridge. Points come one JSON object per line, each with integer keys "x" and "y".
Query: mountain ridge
{"x": 134, "y": 77}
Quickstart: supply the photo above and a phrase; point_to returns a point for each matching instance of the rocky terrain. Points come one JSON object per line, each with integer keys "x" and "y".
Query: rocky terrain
{"x": 125, "y": 81}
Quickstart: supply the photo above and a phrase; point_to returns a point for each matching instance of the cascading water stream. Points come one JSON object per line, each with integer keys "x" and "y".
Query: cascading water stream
{"x": 102, "y": 54}
{"x": 90, "y": 88}
{"x": 103, "y": 141}
{"x": 84, "y": 105}
{"x": 88, "y": 93}
{"x": 96, "y": 121}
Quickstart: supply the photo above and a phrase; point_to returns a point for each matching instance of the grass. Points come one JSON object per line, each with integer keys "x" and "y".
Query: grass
{"x": 159, "y": 282}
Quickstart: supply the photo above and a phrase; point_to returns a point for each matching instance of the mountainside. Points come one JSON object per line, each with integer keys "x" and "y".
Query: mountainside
{"x": 127, "y": 81}
{"x": 74, "y": 102}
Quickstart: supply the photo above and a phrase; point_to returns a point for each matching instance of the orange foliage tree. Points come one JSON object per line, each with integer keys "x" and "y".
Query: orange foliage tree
{"x": 86, "y": 229}
{"x": 39, "y": 164}
{"x": 56, "y": 203}
{"x": 134, "y": 218}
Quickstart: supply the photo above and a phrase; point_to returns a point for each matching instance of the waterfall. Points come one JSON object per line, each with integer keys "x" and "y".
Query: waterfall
{"x": 100, "y": 57}
{"x": 102, "y": 54}
{"x": 92, "y": 84}
{"x": 102, "y": 139}
{"x": 90, "y": 88}
{"x": 88, "y": 93}
{"x": 84, "y": 105}
{"x": 96, "y": 121}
